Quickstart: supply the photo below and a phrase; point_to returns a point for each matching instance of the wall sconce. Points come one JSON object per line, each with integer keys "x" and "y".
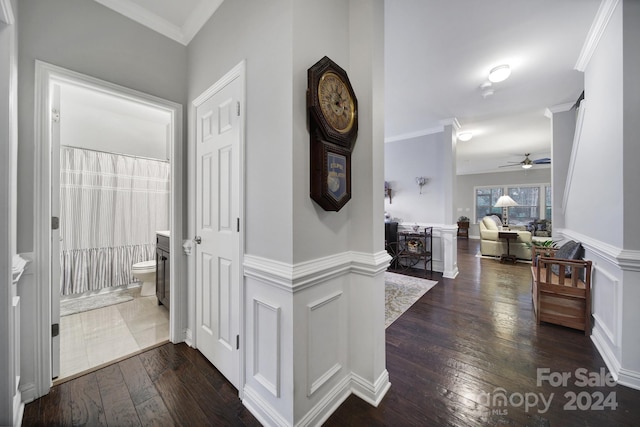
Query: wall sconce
{"x": 421, "y": 181}
{"x": 387, "y": 190}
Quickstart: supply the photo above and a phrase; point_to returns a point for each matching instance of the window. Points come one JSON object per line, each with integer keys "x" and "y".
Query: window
{"x": 528, "y": 209}
{"x": 547, "y": 202}
{"x": 485, "y": 199}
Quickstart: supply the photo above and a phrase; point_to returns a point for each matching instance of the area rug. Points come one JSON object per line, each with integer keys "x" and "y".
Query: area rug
{"x": 85, "y": 303}
{"x": 401, "y": 292}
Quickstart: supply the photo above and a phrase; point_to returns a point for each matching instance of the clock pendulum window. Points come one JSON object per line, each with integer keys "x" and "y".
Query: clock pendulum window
{"x": 333, "y": 128}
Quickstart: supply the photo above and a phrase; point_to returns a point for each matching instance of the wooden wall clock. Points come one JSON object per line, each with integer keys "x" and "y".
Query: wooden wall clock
{"x": 333, "y": 128}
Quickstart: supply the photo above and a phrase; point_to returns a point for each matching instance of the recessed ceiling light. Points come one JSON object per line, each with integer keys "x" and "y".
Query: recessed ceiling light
{"x": 499, "y": 73}
{"x": 465, "y": 136}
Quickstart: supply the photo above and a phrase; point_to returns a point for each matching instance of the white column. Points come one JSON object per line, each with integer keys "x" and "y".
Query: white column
{"x": 449, "y": 173}
{"x": 367, "y": 337}
{"x": 449, "y": 242}
{"x": 449, "y": 176}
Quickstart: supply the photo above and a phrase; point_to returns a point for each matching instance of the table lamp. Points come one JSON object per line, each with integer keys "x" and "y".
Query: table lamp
{"x": 505, "y": 202}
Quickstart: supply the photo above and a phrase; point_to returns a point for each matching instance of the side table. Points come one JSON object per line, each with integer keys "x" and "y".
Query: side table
{"x": 508, "y": 236}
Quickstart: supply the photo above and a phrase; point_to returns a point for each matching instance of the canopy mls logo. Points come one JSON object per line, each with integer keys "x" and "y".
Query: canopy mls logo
{"x": 500, "y": 400}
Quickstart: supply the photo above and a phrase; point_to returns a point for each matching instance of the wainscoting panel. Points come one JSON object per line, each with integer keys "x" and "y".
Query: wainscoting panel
{"x": 323, "y": 326}
{"x": 605, "y": 292}
{"x": 266, "y": 344}
{"x": 303, "y": 346}
{"x": 616, "y": 273}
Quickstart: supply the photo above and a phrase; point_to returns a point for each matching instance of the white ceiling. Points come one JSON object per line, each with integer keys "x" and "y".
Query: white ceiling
{"x": 438, "y": 53}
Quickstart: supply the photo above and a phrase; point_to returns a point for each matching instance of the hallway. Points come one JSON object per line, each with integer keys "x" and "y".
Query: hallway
{"x": 460, "y": 343}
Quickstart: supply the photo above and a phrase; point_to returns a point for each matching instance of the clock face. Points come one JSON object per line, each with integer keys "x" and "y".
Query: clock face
{"x": 336, "y": 102}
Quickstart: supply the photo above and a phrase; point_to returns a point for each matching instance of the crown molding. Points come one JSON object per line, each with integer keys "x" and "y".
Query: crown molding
{"x": 198, "y": 17}
{"x": 452, "y": 121}
{"x": 560, "y": 108}
{"x": 416, "y": 134}
{"x": 183, "y": 35}
{"x": 145, "y": 17}
{"x": 600, "y": 22}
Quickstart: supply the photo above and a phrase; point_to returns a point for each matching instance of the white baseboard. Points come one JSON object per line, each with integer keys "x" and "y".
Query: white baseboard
{"x": 629, "y": 378}
{"x": 608, "y": 355}
{"x": 187, "y": 337}
{"x": 452, "y": 274}
{"x": 28, "y": 392}
{"x": 622, "y": 376}
{"x": 18, "y": 409}
{"x": 261, "y": 409}
{"x": 372, "y": 393}
{"x": 327, "y": 405}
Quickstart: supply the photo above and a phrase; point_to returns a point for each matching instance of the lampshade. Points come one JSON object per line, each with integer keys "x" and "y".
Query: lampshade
{"x": 505, "y": 202}
{"x": 499, "y": 73}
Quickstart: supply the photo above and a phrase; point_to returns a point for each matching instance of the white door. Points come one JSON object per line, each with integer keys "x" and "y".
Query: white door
{"x": 218, "y": 278}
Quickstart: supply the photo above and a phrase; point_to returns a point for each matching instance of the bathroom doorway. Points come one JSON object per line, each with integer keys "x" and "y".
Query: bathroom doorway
{"x": 114, "y": 193}
{"x": 104, "y": 135}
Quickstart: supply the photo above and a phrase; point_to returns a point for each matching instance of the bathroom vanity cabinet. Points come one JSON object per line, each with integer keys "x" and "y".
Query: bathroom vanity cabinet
{"x": 162, "y": 270}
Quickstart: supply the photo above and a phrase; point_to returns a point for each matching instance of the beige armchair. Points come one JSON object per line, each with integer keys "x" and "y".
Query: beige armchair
{"x": 491, "y": 245}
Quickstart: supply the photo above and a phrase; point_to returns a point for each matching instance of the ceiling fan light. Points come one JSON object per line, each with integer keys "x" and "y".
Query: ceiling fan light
{"x": 499, "y": 73}
{"x": 526, "y": 166}
{"x": 465, "y": 136}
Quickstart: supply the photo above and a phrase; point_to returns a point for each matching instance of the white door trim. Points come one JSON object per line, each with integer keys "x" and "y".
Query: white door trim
{"x": 46, "y": 75}
{"x": 11, "y": 406}
{"x": 239, "y": 71}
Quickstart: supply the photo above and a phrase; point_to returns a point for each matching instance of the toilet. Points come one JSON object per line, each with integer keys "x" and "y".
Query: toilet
{"x": 145, "y": 271}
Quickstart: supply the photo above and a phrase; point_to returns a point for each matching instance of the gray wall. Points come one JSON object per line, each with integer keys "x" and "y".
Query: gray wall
{"x": 86, "y": 37}
{"x": 279, "y": 43}
{"x": 265, "y": 42}
{"x": 406, "y": 160}
{"x": 97, "y": 121}
{"x": 595, "y": 193}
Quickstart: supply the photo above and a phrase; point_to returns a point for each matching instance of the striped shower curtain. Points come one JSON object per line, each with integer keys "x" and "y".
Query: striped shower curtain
{"x": 111, "y": 206}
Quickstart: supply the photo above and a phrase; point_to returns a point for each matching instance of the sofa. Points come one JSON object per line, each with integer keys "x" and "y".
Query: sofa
{"x": 540, "y": 228}
{"x": 491, "y": 245}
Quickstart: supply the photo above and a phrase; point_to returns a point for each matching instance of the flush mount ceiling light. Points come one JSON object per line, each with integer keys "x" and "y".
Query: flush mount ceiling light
{"x": 465, "y": 136}
{"x": 499, "y": 73}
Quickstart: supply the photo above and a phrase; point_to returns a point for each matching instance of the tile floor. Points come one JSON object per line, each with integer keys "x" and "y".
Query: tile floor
{"x": 92, "y": 338}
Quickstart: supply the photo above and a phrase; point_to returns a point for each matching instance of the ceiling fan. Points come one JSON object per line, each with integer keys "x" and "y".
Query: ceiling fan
{"x": 528, "y": 163}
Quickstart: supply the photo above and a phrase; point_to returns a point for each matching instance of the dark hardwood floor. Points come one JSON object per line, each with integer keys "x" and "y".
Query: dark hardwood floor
{"x": 466, "y": 343}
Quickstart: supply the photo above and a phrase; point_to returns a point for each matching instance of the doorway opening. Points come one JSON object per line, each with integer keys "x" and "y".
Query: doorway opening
{"x": 89, "y": 157}
{"x": 112, "y": 200}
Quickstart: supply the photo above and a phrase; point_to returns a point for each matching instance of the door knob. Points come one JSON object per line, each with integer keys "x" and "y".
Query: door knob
{"x": 197, "y": 239}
